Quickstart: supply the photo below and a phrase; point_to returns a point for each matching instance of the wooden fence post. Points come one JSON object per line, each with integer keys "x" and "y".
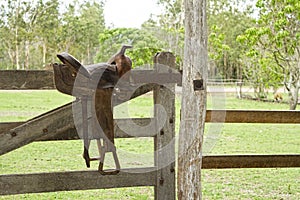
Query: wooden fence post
{"x": 164, "y": 141}
{"x": 193, "y": 104}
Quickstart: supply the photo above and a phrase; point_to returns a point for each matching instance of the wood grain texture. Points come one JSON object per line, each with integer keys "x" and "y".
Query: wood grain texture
{"x": 50, "y": 123}
{"x": 42, "y": 79}
{"x": 68, "y": 131}
{"x": 28, "y": 132}
{"x": 26, "y": 79}
{"x": 193, "y": 104}
{"x": 76, "y": 180}
{"x": 253, "y": 116}
{"x": 250, "y": 161}
{"x": 164, "y": 96}
{"x": 83, "y": 180}
{"x": 213, "y": 116}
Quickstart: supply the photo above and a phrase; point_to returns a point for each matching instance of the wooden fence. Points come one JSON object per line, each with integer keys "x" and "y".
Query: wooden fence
{"x": 58, "y": 125}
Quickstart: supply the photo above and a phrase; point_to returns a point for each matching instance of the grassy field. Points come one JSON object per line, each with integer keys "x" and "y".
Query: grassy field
{"x": 217, "y": 184}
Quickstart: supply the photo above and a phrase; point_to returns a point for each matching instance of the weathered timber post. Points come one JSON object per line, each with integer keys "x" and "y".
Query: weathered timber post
{"x": 193, "y": 105}
{"x": 164, "y": 96}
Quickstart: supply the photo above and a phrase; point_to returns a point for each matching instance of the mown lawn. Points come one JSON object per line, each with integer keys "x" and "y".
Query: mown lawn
{"x": 217, "y": 184}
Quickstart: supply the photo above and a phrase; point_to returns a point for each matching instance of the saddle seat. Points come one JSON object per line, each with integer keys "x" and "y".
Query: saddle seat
{"x": 85, "y": 78}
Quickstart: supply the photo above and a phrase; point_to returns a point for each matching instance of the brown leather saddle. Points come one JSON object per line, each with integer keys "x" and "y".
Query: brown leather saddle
{"x": 92, "y": 85}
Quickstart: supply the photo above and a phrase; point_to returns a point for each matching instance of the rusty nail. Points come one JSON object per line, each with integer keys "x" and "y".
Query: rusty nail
{"x": 161, "y": 181}
{"x": 172, "y": 170}
{"x": 162, "y": 132}
{"x": 45, "y": 130}
{"x": 13, "y": 134}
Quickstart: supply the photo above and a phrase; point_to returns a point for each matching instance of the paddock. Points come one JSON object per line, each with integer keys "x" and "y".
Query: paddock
{"x": 58, "y": 124}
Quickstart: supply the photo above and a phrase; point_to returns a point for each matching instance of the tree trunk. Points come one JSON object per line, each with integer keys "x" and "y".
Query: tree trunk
{"x": 17, "y": 49}
{"x": 88, "y": 54}
{"x": 17, "y": 37}
{"x": 11, "y": 57}
{"x": 193, "y": 107}
{"x": 293, "y": 91}
{"x": 293, "y": 96}
{"x": 44, "y": 53}
{"x": 17, "y": 57}
{"x": 225, "y": 66}
{"x": 27, "y": 53}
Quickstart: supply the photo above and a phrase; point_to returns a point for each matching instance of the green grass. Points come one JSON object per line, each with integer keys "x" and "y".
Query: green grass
{"x": 217, "y": 184}
{"x": 23, "y": 105}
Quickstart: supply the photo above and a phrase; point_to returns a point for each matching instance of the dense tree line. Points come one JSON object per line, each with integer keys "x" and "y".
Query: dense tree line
{"x": 257, "y": 41}
{"x": 32, "y": 32}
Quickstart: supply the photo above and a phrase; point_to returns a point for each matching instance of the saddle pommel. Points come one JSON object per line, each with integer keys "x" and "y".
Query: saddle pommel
{"x": 122, "y": 62}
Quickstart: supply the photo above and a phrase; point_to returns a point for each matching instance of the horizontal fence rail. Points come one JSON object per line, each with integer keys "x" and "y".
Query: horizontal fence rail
{"x": 84, "y": 180}
{"x": 250, "y": 161}
{"x": 13, "y": 138}
{"x": 253, "y": 116}
{"x": 26, "y": 79}
{"x": 71, "y": 133}
{"x": 42, "y": 79}
{"x": 76, "y": 180}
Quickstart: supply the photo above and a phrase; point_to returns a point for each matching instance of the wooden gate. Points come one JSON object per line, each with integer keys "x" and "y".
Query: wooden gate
{"x": 58, "y": 124}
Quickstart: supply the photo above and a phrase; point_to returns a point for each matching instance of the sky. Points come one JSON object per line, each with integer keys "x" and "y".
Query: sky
{"x": 129, "y": 13}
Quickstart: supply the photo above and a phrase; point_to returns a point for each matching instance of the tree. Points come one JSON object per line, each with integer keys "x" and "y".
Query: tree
{"x": 261, "y": 73}
{"x": 171, "y": 24}
{"x": 224, "y": 50}
{"x": 145, "y": 45}
{"x": 13, "y": 29}
{"x": 2, "y": 46}
{"x": 42, "y": 26}
{"x": 168, "y": 27}
{"x": 217, "y": 49}
{"x": 277, "y": 36}
{"x": 227, "y": 20}
{"x": 80, "y": 30}
{"x": 34, "y": 31}
{"x": 91, "y": 24}
{"x": 193, "y": 107}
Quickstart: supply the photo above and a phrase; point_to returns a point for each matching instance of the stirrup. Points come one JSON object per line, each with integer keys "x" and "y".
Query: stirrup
{"x": 103, "y": 151}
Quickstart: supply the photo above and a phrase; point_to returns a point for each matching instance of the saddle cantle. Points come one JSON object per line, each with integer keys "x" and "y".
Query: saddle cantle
{"x": 93, "y": 83}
